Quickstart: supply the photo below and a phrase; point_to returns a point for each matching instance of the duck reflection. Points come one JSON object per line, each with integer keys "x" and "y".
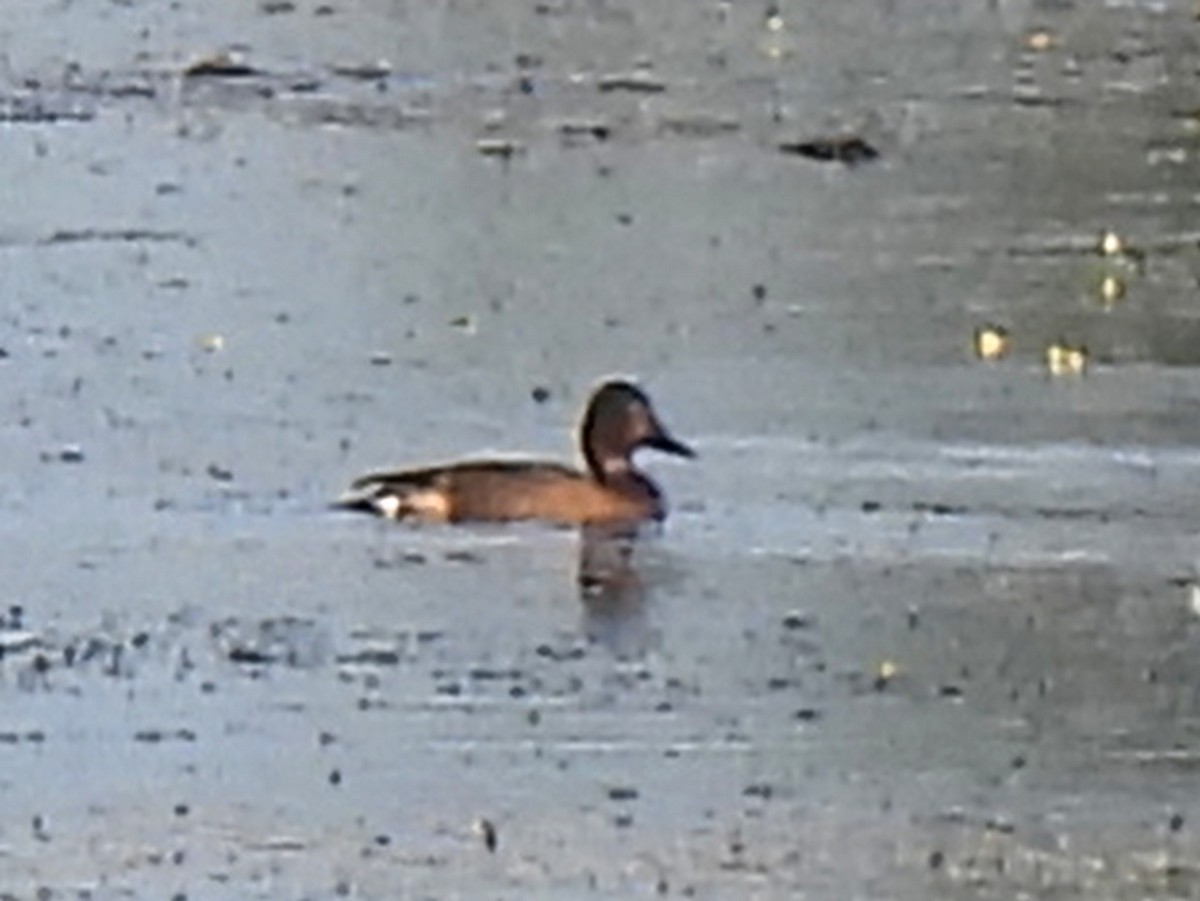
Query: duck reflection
{"x": 612, "y": 590}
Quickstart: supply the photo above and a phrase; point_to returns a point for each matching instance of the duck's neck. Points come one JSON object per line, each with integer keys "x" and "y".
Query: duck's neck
{"x": 605, "y": 467}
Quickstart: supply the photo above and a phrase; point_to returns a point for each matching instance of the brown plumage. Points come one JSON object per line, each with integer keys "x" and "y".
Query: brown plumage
{"x": 618, "y": 420}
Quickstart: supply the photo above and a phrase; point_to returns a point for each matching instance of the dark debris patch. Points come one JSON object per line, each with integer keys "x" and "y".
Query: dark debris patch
{"x": 251, "y": 656}
{"x": 462, "y": 557}
{"x": 32, "y": 737}
{"x": 364, "y": 71}
{"x": 937, "y": 508}
{"x": 500, "y": 148}
{"x": 579, "y": 132}
{"x": 219, "y": 473}
{"x": 158, "y": 736}
{"x": 37, "y": 111}
{"x": 116, "y": 235}
{"x": 286, "y": 640}
{"x": 68, "y": 453}
{"x": 849, "y": 150}
{"x": 487, "y": 831}
{"x": 13, "y": 618}
{"x": 487, "y": 674}
{"x": 797, "y": 620}
{"x": 549, "y": 652}
{"x": 370, "y": 657}
{"x": 112, "y": 85}
{"x": 223, "y": 65}
{"x": 637, "y": 82}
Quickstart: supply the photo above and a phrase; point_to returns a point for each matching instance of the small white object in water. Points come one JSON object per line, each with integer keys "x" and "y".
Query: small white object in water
{"x": 991, "y": 342}
{"x": 1111, "y": 244}
{"x": 1062, "y": 359}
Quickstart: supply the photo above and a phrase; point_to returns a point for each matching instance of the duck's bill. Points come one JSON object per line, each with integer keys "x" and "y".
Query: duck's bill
{"x": 669, "y": 445}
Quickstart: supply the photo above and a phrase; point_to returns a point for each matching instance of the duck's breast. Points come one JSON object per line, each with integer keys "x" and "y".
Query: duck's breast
{"x": 542, "y": 491}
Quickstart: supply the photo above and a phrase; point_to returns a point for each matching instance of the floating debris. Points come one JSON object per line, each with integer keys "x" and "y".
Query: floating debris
{"x": 1064, "y": 359}
{"x": 365, "y": 71}
{"x": 636, "y": 82}
{"x": 68, "y": 453}
{"x": 36, "y": 111}
{"x": 123, "y": 235}
{"x": 219, "y": 473}
{"x": 581, "y": 131}
{"x": 850, "y": 150}
{"x": 992, "y": 342}
{"x": 797, "y": 619}
{"x": 221, "y": 65}
{"x": 157, "y": 736}
{"x": 486, "y": 830}
{"x": 504, "y": 148}
{"x": 465, "y": 323}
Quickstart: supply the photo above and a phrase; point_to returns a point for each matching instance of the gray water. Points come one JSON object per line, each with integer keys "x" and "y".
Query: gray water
{"x": 920, "y": 625}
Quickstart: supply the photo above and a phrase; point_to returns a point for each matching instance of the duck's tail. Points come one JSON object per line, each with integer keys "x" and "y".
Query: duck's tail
{"x": 395, "y": 496}
{"x": 376, "y": 499}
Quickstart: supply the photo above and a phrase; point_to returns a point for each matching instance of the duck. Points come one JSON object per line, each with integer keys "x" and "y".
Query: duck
{"x": 617, "y": 421}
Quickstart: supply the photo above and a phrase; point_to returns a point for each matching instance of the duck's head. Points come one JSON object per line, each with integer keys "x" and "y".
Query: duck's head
{"x": 619, "y": 419}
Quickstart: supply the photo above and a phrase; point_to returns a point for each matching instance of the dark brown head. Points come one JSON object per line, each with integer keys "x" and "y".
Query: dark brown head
{"x": 618, "y": 420}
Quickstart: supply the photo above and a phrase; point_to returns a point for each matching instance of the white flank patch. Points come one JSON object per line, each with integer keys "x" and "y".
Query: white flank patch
{"x": 387, "y": 505}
